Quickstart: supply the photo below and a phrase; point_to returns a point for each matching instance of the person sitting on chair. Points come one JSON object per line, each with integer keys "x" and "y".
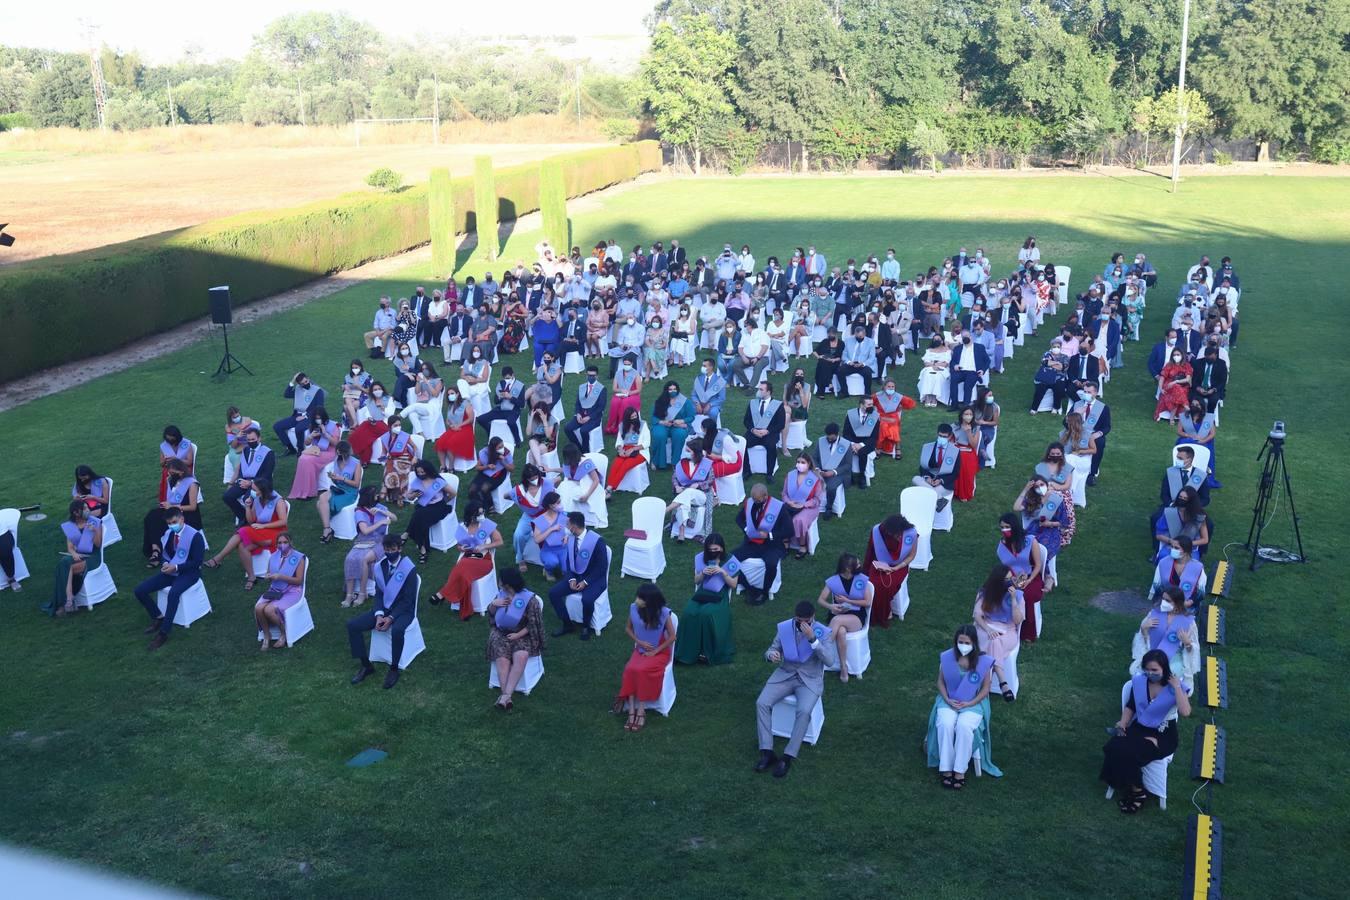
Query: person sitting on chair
{"x": 652, "y": 630}
{"x": 495, "y": 465}
{"x": 833, "y": 458}
{"x": 305, "y": 396}
{"x": 803, "y": 490}
{"x": 860, "y": 430}
{"x": 510, "y": 399}
{"x": 764, "y": 422}
{"x": 767, "y": 526}
{"x": 285, "y": 586}
{"x": 256, "y": 461}
{"x": 182, "y": 491}
{"x": 393, "y": 610}
{"x": 848, "y": 597}
{"x": 705, "y": 625}
{"x": 1147, "y": 730}
{"x": 477, "y": 537}
{"x": 434, "y": 499}
{"x": 91, "y": 489}
{"x": 585, "y": 572}
{"x": 710, "y": 391}
{"x": 183, "y": 549}
{"x": 860, "y": 354}
{"x": 891, "y": 406}
{"x": 83, "y": 532}
{"x": 998, "y": 614}
{"x": 801, "y": 652}
{"x": 266, "y": 513}
{"x": 517, "y": 633}
{"x": 344, "y": 478}
{"x": 969, "y": 363}
{"x": 937, "y": 466}
{"x": 588, "y": 412}
{"x": 960, "y": 709}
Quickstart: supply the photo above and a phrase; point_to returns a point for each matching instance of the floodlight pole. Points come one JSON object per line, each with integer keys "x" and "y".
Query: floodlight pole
{"x": 1181, "y": 96}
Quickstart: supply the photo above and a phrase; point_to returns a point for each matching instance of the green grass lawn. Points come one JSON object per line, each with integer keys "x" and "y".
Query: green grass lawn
{"x": 207, "y": 767}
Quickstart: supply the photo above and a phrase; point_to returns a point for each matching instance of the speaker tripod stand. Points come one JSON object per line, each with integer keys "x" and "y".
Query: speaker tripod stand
{"x": 1273, "y": 474}
{"x": 229, "y": 363}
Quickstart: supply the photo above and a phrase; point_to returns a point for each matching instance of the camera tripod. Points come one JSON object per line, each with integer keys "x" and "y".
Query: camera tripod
{"x": 1272, "y": 474}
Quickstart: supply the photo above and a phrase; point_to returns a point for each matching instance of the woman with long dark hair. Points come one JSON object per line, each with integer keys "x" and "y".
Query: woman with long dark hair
{"x": 848, "y": 597}
{"x": 652, "y": 630}
{"x": 672, "y": 415}
{"x": 1026, "y": 561}
{"x": 705, "y": 631}
{"x": 998, "y": 614}
{"x": 890, "y": 549}
{"x": 1146, "y": 730}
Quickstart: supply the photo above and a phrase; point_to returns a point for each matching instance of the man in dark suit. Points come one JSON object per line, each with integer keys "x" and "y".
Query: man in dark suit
{"x": 472, "y": 295}
{"x": 589, "y": 410}
{"x": 1209, "y": 379}
{"x": 255, "y": 461}
{"x": 660, "y": 260}
{"x": 585, "y": 572}
{"x": 1084, "y": 368}
{"x": 702, "y": 276}
{"x": 458, "y": 331}
{"x": 764, "y": 422}
{"x": 937, "y": 466}
{"x": 677, "y": 255}
{"x": 393, "y": 610}
{"x": 1158, "y": 357}
{"x": 880, "y": 333}
{"x": 510, "y": 398}
{"x": 420, "y": 301}
{"x": 184, "y": 547}
{"x": 305, "y": 397}
{"x": 775, "y": 281}
{"x": 767, "y": 524}
{"x": 1180, "y": 476}
{"x": 1096, "y": 419}
{"x": 969, "y": 363}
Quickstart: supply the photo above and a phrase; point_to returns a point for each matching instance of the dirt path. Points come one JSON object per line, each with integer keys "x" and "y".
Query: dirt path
{"x": 51, "y": 381}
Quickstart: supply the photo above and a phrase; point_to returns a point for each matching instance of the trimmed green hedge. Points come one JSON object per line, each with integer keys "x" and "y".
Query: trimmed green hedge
{"x": 69, "y": 307}
{"x": 486, "y": 205}
{"x": 441, "y": 221}
{"x": 553, "y": 204}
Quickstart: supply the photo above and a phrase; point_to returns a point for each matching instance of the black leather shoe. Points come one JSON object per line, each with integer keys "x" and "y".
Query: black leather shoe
{"x": 784, "y": 764}
{"x": 157, "y": 641}
{"x": 566, "y": 629}
{"x": 390, "y": 678}
{"x": 153, "y": 627}
{"x": 766, "y": 759}
{"x": 585, "y": 634}
{"x": 363, "y": 673}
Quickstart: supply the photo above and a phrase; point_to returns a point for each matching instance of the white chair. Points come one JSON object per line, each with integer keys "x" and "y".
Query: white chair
{"x": 753, "y": 571}
{"x": 784, "y": 716}
{"x": 663, "y": 703}
{"x": 870, "y": 471}
{"x": 441, "y": 536}
{"x": 731, "y": 488}
{"x": 989, "y": 450}
{"x": 484, "y": 590}
{"x": 9, "y": 521}
{"x": 344, "y": 523}
{"x": 501, "y": 429}
{"x": 812, "y": 539}
{"x": 111, "y": 533}
{"x": 900, "y": 602}
{"x": 859, "y": 652}
{"x": 534, "y": 670}
{"x": 759, "y": 459}
{"x": 840, "y": 503}
{"x": 573, "y": 364}
{"x": 637, "y": 479}
{"x": 228, "y": 470}
{"x": 919, "y": 506}
{"x": 1047, "y": 403}
{"x": 503, "y": 497}
{"x": 1155, "y": 773}
{"x": 382, "y": 642}
{"x": 601, "y": 614}
{"x": 796, "y": 438}
{"x": 596, "y": 441}
{"x": 192, "y": 605}
{"x": 1082, "y": 467}
{"x": 696, "y": 514}
{"x": 1062, "y": 274}
{"x": 260, "y": 561}
{"x": 299, "y": 620}
{"x": 596, "y": 509}
{"x": 854, "y": 386}
{"x": 645, "y": 557}
{"x": 98, "y": 586}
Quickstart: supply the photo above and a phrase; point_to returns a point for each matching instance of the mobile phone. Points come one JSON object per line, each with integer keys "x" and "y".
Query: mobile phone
{"x": 1113, "y": 731}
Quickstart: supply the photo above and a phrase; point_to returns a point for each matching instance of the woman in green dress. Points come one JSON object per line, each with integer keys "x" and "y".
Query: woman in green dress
{"x": 705, "y": 624}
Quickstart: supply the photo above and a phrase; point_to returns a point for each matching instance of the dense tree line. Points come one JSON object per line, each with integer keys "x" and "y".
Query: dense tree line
{"x": 855, "y": 79}
{"x": 310, "y": 68}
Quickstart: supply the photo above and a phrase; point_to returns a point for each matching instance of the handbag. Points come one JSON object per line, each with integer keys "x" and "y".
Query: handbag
{"x": 273, "y": 593}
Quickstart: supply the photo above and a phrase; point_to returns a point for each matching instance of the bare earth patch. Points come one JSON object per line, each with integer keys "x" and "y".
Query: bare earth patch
{"x": 1131, "y": 603}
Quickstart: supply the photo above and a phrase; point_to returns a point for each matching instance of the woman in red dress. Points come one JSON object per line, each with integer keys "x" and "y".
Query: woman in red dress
{"x": 652, "y": 628}
{"x": 627, "y": 451}
{"x": 968, "y": 436}
{"x": 379, "y": 407}
{"x": 1174, "y": 385}
{"x": 890, "y": 549}
{"x": 457, "y": 440}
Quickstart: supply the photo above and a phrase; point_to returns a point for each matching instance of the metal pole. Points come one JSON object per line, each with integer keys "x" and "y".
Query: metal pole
{"x": 436, "y": 113}
{"x": 1181, "y": 96}
{"x": 578, "y": 79}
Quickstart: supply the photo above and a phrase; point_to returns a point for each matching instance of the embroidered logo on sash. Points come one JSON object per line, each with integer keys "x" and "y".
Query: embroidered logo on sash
{"x": 974, "y": 677}
{"x": 398, "y": 576}
{"x": 585, "y": 554}
{"x": 1186, "y": 586}
{"x": 819, "y": 630}
{"x": 482, "y": 535}
{"x": 520, "y": 603}
{"x": 1172, "y": 636}
{"x": 909, "y": 539}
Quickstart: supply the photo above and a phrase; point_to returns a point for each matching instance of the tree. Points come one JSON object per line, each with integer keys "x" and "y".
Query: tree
{"x": 485, "y": 205}
{"x": 1159, "y": 116}
{"x": 131, "y": 112}
{"x": 63, "y": 95}
{"x": 684, "y": 79}
{"x": 928, "y": 142}
{"x": 441, "y": 218}
{"x": 15, "y": 83}
{"x": 269, "y": 105}
{"x": 320, "y": 47}
{"x": 1278, "y": 70}
{"x": 338, "y": 104}
{"x": 553, "y": 204}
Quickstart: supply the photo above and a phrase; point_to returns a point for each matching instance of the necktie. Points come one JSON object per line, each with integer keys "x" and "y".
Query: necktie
{"x": 1087, "y": 413}
{"x": 762, "y": 405}
{"x": 170, "y": 550}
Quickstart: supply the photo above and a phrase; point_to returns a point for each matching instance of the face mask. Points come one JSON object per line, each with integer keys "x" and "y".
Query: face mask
{"x": 1084, "y": 395}
{"x": 942, "y": 442}
{"x": 176, "y": 527}
{"x": 253, "y": 445}
{"x": 405, "y": 353}
{"x": 802, "y": 467}
{"x": 1154, "y": 677}
{"x": 1175, "y": 553}
{"x": 965, "y": 339}
{"x": 395, "y": 428}
{"x": 591, "y": 379}
{"x": 1042, "y": 490}
{"x": 509, "y": 379}
{"x": 392, "y": 557}
{"x": 377, "y": 394}
{"x": 236, "y": 419}
{"x": 1176, "y": 359}
{"x": 890, "y": 391}
{"x": 964, "y": 649}
{"x": 1166, "y": 606}
{"x": 283, "y": 549}
{"x": 1005, "y": 531}
{"x": 989, "y": 398}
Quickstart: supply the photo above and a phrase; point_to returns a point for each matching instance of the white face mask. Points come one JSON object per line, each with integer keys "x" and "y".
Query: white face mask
{"x": 377, "y": 394}
{"x": 1175, "y": 553}
{"x": 1166, "y": 606}
{"x": 356, "y": 371}
{"x": 989, "y": 398}
{"x": 964, "y": 649}
{"x": 802, "y": 467}
{"x": 405, "y": 353}
{"x": 1042, "y": 490}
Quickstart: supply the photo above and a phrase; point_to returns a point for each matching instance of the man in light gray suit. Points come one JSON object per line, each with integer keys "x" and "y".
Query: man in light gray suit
{"x": 937, "y": 466}
{"x": 801, "y": 654}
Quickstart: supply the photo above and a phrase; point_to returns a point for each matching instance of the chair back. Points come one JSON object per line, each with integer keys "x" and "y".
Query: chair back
{"x": 9, "y": 521}
{"x": 919, "y": 506}
{"x": 649, "y": 515}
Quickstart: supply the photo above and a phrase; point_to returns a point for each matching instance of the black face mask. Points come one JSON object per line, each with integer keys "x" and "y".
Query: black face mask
{"x": 392, "y": 558}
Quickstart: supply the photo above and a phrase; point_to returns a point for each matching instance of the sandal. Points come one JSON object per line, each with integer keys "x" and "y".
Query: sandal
{"x": 422, "y": 557}
{"x": 249, "y": 582}
{"x": 1007, "y": 693}
{"x": 327, "y": 536}
{"x": 631, "y": 724}
{"x": 211, "y": 563}
{"x": 153, "y": 562}
{"x": 617, "y": 708}
{"x": 947, "y": 781}
{"x": 347, "y": 600}
{"x": 436, "y": 599}
{"x": 1133, "y": 803}
{"x": 958, "y": 783}
{"x": 641, "y": 721}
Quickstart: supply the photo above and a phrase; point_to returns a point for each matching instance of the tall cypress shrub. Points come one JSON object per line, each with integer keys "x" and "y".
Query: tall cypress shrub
{"x": 441, "y": 219}
{"x": 485, "y": 205}
{"x": 553, "y": 204}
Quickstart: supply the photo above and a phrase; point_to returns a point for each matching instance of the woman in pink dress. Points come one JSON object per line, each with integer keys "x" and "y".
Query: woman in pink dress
{"x": 802, "y": 490}
{"x": 320, "y": 450}
{"x": 626, "y": 394}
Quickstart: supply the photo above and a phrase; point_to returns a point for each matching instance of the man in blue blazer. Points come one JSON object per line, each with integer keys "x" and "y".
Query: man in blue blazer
{"x": 969, "y": 363}
{"x": 585, "y": 572}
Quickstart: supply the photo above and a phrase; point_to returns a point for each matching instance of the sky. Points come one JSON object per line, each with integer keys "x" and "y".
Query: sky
{"x": 161, "y": 30}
